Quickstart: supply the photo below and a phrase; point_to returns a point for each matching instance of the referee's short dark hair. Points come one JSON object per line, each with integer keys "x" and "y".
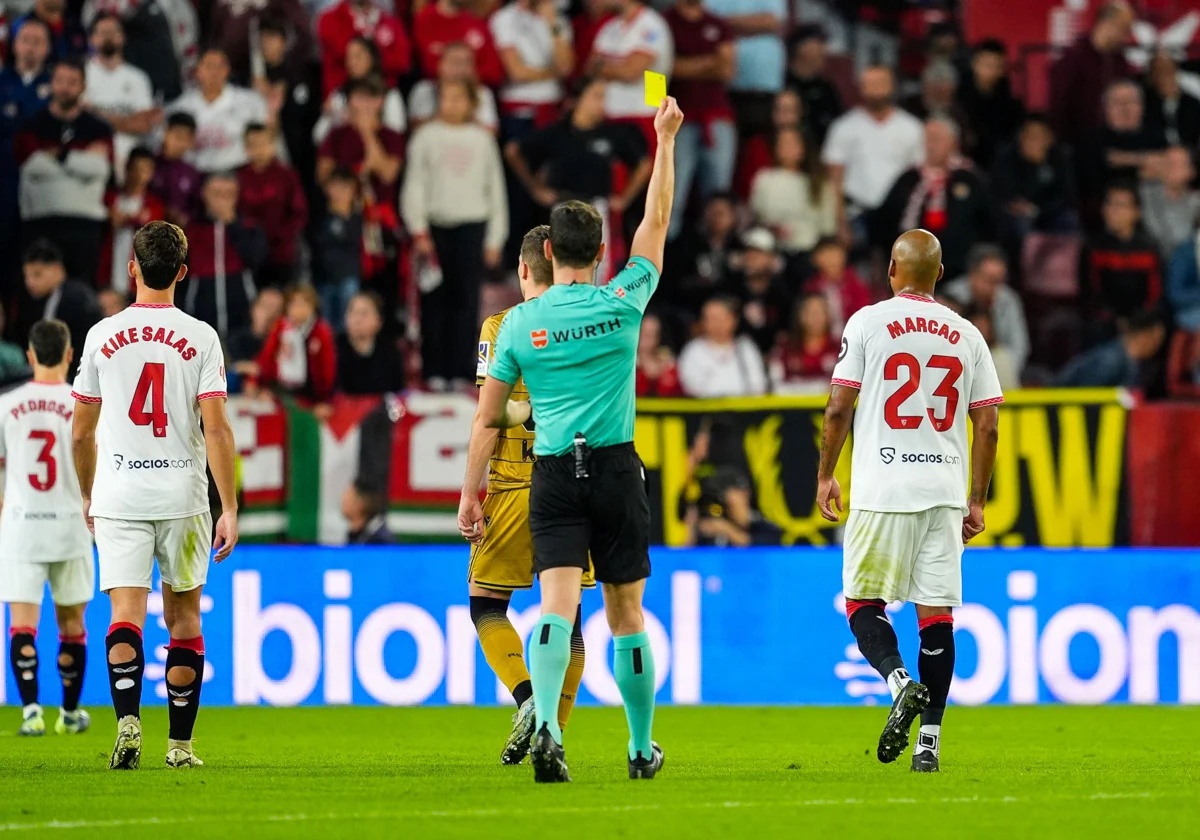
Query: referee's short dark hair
{"x": 533, "y": 254}
{"x": 576, "y": 232}
{"x": 49, "y": 340}
{"x": 160, "y": 249}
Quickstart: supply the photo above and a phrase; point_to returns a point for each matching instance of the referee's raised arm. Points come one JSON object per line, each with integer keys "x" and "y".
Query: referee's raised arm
{"x": 651, "y": 236}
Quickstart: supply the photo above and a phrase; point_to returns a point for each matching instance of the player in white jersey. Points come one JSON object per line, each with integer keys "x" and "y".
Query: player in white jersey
{"x": 919, "y": 372}
{"x": 43, "y": 538}
{"x": 147, "y": 377}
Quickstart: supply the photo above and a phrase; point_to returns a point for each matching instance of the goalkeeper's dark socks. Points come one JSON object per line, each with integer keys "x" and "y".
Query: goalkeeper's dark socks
{"x": 126, "y": 664}
{"x": 936, "y": 667}
{"x": 877, "y": 641}
{"x": 185, "y": 676}
{"x": 501, "y": 645}
{"x": 72, "y": 661}
{"x": 22, "y": 654}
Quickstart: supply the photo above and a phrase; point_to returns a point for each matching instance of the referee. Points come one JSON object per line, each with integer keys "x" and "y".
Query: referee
{"x": 574, "y": 345}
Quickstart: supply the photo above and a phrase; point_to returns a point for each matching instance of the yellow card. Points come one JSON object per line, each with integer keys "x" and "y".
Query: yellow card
{"x": 656, "y": 88}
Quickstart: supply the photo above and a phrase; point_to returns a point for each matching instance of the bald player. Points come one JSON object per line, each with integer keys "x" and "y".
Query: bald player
{"x": 918, "y": 371}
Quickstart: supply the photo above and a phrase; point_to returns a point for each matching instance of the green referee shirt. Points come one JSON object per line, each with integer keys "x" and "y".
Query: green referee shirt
{"x": 575, "y": 346}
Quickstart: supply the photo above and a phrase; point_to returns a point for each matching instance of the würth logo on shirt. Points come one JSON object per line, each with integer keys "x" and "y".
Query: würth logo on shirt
{"x": 539, "y": 338}
{"x": 620, "y": 292}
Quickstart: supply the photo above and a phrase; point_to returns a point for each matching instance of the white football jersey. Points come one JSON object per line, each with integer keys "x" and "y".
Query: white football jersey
{"x": 42, "y": 519}
{"x": 646, "y": 32}
{"x": 918, "y": 368}
{"x": 150, "y": 366}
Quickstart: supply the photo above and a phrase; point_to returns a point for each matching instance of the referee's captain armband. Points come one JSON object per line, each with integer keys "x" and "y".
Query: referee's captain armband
{"x": 635, "y": 283}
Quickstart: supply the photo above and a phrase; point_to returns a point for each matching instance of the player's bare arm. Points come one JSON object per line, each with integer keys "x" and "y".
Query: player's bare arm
{"x": 839, "y": 414}
{"x": 218, "y": 438}
{"x": 651, "y": 236}
{"x": 986, "y": 421}
{"x": 83, "y": 447}
{"x": 495, "y": 406}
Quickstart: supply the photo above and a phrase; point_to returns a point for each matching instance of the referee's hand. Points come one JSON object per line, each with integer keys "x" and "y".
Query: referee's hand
{"x": 470, "y": 519}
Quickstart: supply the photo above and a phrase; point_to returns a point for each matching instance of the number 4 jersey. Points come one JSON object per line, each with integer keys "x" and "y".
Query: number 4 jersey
{"x": 42, "y": 520}
{"x": 918, "y": 368}
{"x": 150, "y": 366}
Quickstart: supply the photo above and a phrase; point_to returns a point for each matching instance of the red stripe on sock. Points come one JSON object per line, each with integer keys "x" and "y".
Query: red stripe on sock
{"x": 73, "y": 640}
{"x": 127, "y": 625}
{"x": 922, "y": 623}
{"x": 195, "y": 644}
{"x": 22, "y": 631}
{"x": 853, "y": 606}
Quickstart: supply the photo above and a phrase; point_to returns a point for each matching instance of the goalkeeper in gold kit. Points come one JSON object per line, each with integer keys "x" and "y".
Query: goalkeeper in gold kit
{"x": 502, "y": 549}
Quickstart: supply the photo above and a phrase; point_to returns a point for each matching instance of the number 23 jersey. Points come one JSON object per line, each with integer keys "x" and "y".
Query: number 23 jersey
{"x": 918, "y": 367}
{"x": 149, "y": 367}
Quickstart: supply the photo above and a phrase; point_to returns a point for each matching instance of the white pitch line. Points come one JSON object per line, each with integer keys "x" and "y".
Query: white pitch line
{"x": 63, "y": 825}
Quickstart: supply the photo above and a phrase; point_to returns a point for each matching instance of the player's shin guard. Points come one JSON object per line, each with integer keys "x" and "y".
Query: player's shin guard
{"x": 501, "y": 645}
{"x": 566, "y": 700}
{"x": 22, "y": 653}
{"x": 633, "y": 670}
{"x": 549, "y": 657}
{"x": 125, "y": 674}
{"x": 877, "y": 641}
{"x": 72, "y": 661}
{"x": 936, "y": 667}
{"x": 185, "y": 675}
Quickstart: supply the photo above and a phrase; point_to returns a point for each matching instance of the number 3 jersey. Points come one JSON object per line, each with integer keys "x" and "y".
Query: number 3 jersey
{"x": 918, "y": 368}
{"x": 149, "y": 367}
{"x": 42, "y": 520}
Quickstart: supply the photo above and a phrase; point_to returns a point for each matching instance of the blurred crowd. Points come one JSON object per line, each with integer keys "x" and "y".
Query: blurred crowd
{"x": 354, "y": 178}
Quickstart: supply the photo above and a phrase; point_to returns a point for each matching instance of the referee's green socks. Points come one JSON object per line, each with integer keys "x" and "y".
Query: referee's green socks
{"x": 549, "y": 656}
{"x": 633, "y": 670}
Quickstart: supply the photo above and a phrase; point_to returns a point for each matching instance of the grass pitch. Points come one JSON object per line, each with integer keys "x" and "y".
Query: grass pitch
{"x": 730, "y": 772}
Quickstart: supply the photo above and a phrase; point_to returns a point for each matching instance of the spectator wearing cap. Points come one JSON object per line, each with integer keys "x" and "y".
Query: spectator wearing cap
{"x": 299, "y": 356}
{"x": 161, "y": 38}
{"x": 351, "y": 19}
{"x": 637, "y": 39}
{"x": 223, "y": 253}
{"x": 365, "y": 145}
{"x": 1034, "y": 182}
{"x": 758, "y": 152}
{"x": 50, "y": 292}
{"x": 1169, "y": 204}
{"x": 985, "y": 287}
{"x": 794, "y": 198}
{"x": 1122, "y": 362}
{"x": 718, "y": 362}
{"x": 802, "y": 360}
{"x": 534, "y": 44}
{"x": 271, "y": 196}
{"x": 456, "y": 64}
{"x": 808, "y": 77}
{"x": 222, "y": 111}
{"x": 24, "y": 90}
{"x": 761, "y": 59}
{"x": 129, "y": 208}
{"x": 233, "y": 26}
{"x": 362, "y": 64}
{"x": 455, "y": 206}
{"x": 119, "y": 93}
{"x": 1122, "y": 271}
{"x": 944, "y": 195}
{"x": 991, "y": 113}
{"x": 1169, "y": 110}
{"x": 760, "y": 289}
{"x": 64, "y": 153}
{"x": 368, "y": 361}
{"x": 706, "y": 146}
{"x": 837, "y": 281}
{"x": 869, "y": 147}
{"x": 69, "y": 40}
{"x": 444, "y": 22}
{"x": 175, "y": 181}
{"x": 702, "y": 258}
{"x": 657, "y": 375}
{"x": 1086, "y": 70}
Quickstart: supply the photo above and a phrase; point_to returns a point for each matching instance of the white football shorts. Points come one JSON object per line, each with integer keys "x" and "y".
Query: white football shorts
{"x": 128, "y": 548}
{"x": 71, "y": 581}
{"x": 911, "y": 557}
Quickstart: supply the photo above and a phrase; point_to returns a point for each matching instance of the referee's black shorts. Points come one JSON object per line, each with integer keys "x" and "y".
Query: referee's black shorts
{"x": 606, "y": 514}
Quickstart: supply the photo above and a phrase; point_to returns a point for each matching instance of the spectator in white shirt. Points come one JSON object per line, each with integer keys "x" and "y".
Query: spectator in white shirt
{"x": 117, "y": 92}
{"x": 222, "y": 111}
{"x": 636, "y": 40}
{"x": 869, "y": 147}
{"x": 457, "y": 64}
{"x": 794, "y": 197}
{"x": 535, "y": 46}
{"x": 719, "y": 362}
{"x": 362, "y": 61}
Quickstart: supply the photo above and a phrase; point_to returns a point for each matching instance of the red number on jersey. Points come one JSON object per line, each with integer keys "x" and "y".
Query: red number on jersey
{"x": 46, "y": 456}
{"x": 150, "y": 384}
{"x": 946, "y": 390}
